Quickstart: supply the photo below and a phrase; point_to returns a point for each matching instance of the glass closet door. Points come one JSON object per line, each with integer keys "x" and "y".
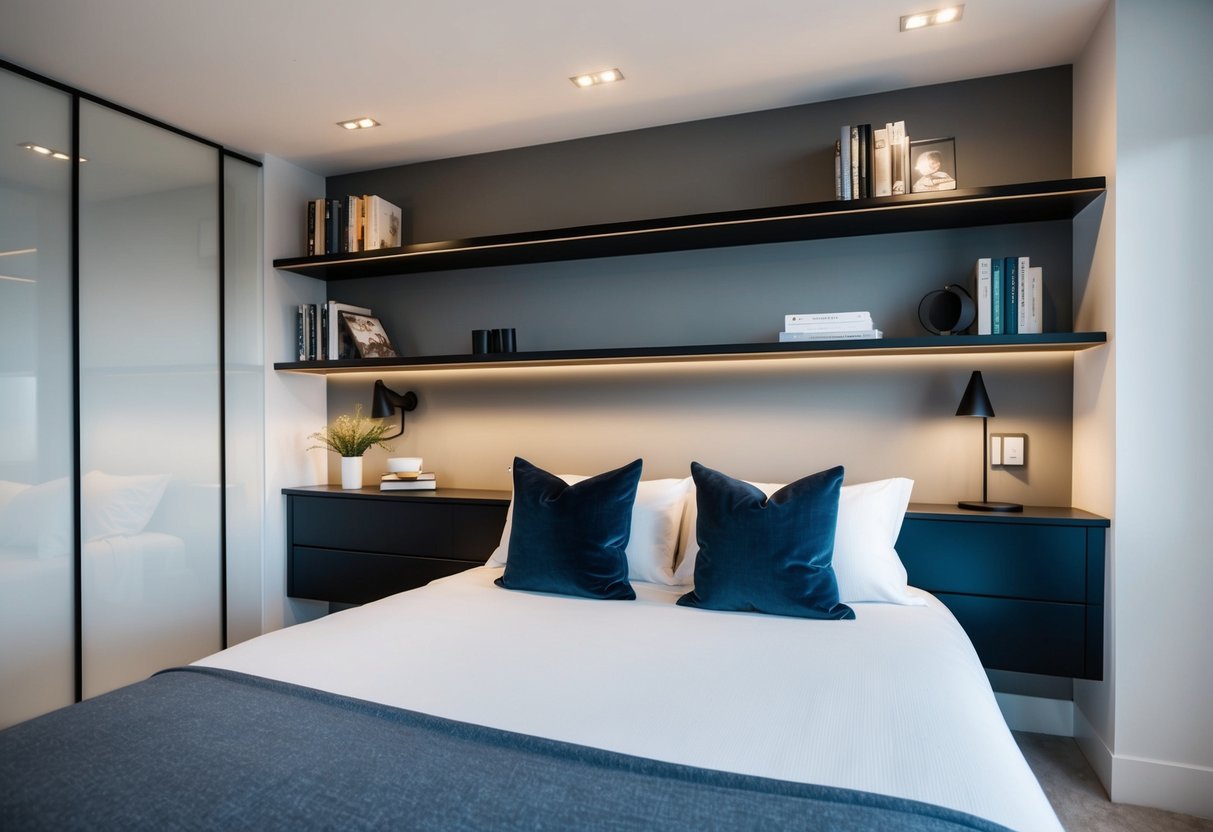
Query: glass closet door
{"x": 150, "y": 416}
{"x": 37, "y": 622}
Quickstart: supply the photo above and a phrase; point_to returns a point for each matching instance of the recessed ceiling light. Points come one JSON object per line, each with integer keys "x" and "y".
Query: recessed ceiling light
{"x": 603, "y": 76}
{"x": 47, "y": 151}
{"x": 362, "y": 123}
{"x": 935, "y": 17}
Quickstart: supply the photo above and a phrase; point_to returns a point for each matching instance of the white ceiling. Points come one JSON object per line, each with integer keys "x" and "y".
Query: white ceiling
{"x": 455, "y": 77}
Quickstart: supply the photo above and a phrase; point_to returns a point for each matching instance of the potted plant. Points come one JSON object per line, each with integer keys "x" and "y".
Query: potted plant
{"x": 352, "y": 436}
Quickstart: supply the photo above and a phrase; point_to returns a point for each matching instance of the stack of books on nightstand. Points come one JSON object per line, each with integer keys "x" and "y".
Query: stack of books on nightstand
{"x": 829, "y": 326}
{"x": 419, "y": 481}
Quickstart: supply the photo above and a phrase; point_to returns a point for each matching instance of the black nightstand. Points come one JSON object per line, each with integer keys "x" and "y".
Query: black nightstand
{"x": 1027, "y": 588}
{"x": 353, "y": 547}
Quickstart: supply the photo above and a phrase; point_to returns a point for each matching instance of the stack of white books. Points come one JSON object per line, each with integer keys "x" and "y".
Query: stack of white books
{"x": 829, "y": 326}
{"x": 415, "y": 481}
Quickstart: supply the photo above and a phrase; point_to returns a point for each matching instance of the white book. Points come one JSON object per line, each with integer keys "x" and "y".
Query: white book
{"x": 1036, "y": 293}
{"x": 1023, "y": 302}
{"x": 844, "y": 160}
{"x": 332, "y": 350}
{"x": 897, "y": 149}
{"x": 383, "y": 224}
{"x": 351, "y": 223}
{"x": 830, "y": 326}
{"x": 864, "y": 335}
{"x": 408, "y": 485}
{"x": 983, "y": 296}
{"x": 825, "y": 318}
{"x": 882, "y": 163}
{"x": 855, "y": 163}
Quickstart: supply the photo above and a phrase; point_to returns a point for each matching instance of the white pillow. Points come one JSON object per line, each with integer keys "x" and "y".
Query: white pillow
{"x": 656, "y": 516}
{"x": 866, "y": 565}
{"x": 41, "y": 515}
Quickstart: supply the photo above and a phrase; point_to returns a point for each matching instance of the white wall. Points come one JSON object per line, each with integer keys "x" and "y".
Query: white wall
{"x": 294, "y": 404}
{"x": 1094, "y": 463}
{"x": 1148, "y": 727}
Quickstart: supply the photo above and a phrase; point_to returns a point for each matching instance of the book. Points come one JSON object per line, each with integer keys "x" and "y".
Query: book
{"x": 1023, "y": 307}
{"x": 402, "y": 482}
{"x": 865, "y": 161}
{"x": 339, "y": 344}
{"x": 300, "y": 333}
{"x": 882, "y": 163}
{"x": 897, "y": 153}
{"x": 825, "y": 317}
{"x": 349, "y": 236}
{"x": 996, "y": 292}
{"x": 311, "y": 332}
{"x": 830, "y": 326}
{"x": 981, "y": 293}
{"x": 383, "y": 221}
{"x": 837, "y": 169}
{"x": 332, "y": 226}
{"x": 310, "y": 217}
{"x": 1036, "y": 290}
{"x": 409, "y": 475}
{"x": 844, "y": 161}
{"x": 1010, "y": 296}
{"x": 318, "y": 219}
{"x": 863, "y": 335}
{"x": 855, "y": 192}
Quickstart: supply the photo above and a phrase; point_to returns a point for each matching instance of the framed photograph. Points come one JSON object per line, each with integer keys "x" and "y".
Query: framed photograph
{"x": 933, "y": 165}
{"x": 369, "y": 338}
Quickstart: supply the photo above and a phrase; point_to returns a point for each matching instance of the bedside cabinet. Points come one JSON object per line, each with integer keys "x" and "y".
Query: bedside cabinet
{"x": 1027, "y": 588}
{"x": 353, "y": 547}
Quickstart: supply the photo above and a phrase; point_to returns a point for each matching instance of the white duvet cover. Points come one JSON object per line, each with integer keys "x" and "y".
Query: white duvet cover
{"x": 894, "y": 702}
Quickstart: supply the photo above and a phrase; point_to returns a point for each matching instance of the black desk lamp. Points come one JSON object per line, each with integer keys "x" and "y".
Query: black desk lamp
{"x": 976, "y": 402}
{"x": 386, "y": 401}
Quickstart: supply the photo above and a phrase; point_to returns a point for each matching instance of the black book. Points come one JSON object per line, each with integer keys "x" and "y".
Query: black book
{"x": 865, "y": 161}
{"x": 311, "y": 229}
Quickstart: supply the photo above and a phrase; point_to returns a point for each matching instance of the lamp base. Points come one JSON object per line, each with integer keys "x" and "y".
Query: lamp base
{"x": 989, "y": 506}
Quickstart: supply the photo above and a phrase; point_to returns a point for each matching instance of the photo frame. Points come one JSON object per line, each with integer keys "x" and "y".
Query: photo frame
{"x": 933, "y": 165}
{"x": 370, "y": 339}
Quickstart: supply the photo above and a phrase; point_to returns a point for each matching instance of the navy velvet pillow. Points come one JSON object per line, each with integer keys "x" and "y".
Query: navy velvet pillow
{"x": 571, "y": 539}
{"x": 767, "y": 555}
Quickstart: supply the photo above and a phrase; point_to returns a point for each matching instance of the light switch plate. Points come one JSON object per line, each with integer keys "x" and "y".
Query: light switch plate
{"x": 1014, "y": 449}
{"x": 996, "y": 450}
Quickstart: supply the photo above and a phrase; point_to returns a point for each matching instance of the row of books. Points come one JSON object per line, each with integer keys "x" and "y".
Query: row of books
{"x": 355, "y": 223}
{"x": 829, "y": 326}
{"x": 423, "y": 481}
{"x": 1009, "y": 295}
{"x": 871, "y": 162}
{"x": 319, "y": 333}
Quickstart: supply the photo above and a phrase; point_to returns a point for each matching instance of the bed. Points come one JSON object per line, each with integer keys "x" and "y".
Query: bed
{"x": 463, "y": 705}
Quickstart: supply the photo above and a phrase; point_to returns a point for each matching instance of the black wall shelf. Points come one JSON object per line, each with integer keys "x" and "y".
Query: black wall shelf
{"x": 1004, "y": 204}
{"x": 931, "y": 345}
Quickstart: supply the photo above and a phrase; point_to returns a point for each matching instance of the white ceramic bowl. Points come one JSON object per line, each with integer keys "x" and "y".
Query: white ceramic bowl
{"x": 404, "y": 464}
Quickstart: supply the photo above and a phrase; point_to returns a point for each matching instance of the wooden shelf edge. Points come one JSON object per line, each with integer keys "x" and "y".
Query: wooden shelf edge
{"x": 944, "y": 345}
{"x": 1026, "y": 202}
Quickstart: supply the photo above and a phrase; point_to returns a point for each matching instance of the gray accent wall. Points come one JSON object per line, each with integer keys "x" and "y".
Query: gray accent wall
{"x": 762, "y": 420}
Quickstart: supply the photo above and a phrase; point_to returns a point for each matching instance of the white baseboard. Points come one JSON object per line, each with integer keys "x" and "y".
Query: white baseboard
{"x": 1036, "y": 714}
{"x": 1141, "y": 782}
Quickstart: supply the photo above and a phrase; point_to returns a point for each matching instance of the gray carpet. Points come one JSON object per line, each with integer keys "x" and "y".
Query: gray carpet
{"x": 1079, "y": 798}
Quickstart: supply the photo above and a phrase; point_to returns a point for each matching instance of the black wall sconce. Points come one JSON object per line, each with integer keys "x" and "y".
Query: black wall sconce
{"x": 385, "y": 401}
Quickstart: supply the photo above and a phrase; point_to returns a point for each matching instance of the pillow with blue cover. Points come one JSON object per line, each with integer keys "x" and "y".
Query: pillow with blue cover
{"x": 769, "y": 555}
{"x": 571, "y": 539}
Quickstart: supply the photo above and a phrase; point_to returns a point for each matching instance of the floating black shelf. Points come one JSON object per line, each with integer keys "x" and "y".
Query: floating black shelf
{"x": 1029, "y": 202}
{"x": 931, "y": 345}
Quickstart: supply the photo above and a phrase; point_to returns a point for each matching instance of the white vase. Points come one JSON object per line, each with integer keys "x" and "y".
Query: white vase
{"x": 351, "y": 472}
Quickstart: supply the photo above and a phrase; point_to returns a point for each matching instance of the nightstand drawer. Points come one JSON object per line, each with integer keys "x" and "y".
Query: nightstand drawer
{"x": 1010, "y": 560}
{"x": 1025, "y": 636}
{"x": 370, "y": 525}
{"x": 360, "y": 577}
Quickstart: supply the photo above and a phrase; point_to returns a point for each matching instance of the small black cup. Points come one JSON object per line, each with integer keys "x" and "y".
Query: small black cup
{"x": 480, "y": 341}
{"x": 509, "y": 340}
{"x": 495, "y": 340}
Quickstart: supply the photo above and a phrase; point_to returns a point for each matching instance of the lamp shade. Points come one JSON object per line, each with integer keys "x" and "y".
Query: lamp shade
{"x": 381, "y": 402}
{"x": 975, "y": 402}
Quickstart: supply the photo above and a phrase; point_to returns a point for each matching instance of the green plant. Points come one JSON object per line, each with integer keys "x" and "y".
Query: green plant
{"x": 352, "y": 435}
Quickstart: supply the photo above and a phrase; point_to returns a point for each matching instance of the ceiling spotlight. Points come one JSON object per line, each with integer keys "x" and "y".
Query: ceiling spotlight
{"x": 358, "y": 123}
{"x": 935, "y": 17}
{"x": 590, "y": 79}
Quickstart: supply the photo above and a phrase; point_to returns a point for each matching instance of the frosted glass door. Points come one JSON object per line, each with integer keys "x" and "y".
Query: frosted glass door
{"x": 149, "y": 398}
{"x": 37, "y": 536}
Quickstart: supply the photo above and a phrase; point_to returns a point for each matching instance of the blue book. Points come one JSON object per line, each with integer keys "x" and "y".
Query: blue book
{"x": 1010, "y": 312}
{"x": 996, "y": 300}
